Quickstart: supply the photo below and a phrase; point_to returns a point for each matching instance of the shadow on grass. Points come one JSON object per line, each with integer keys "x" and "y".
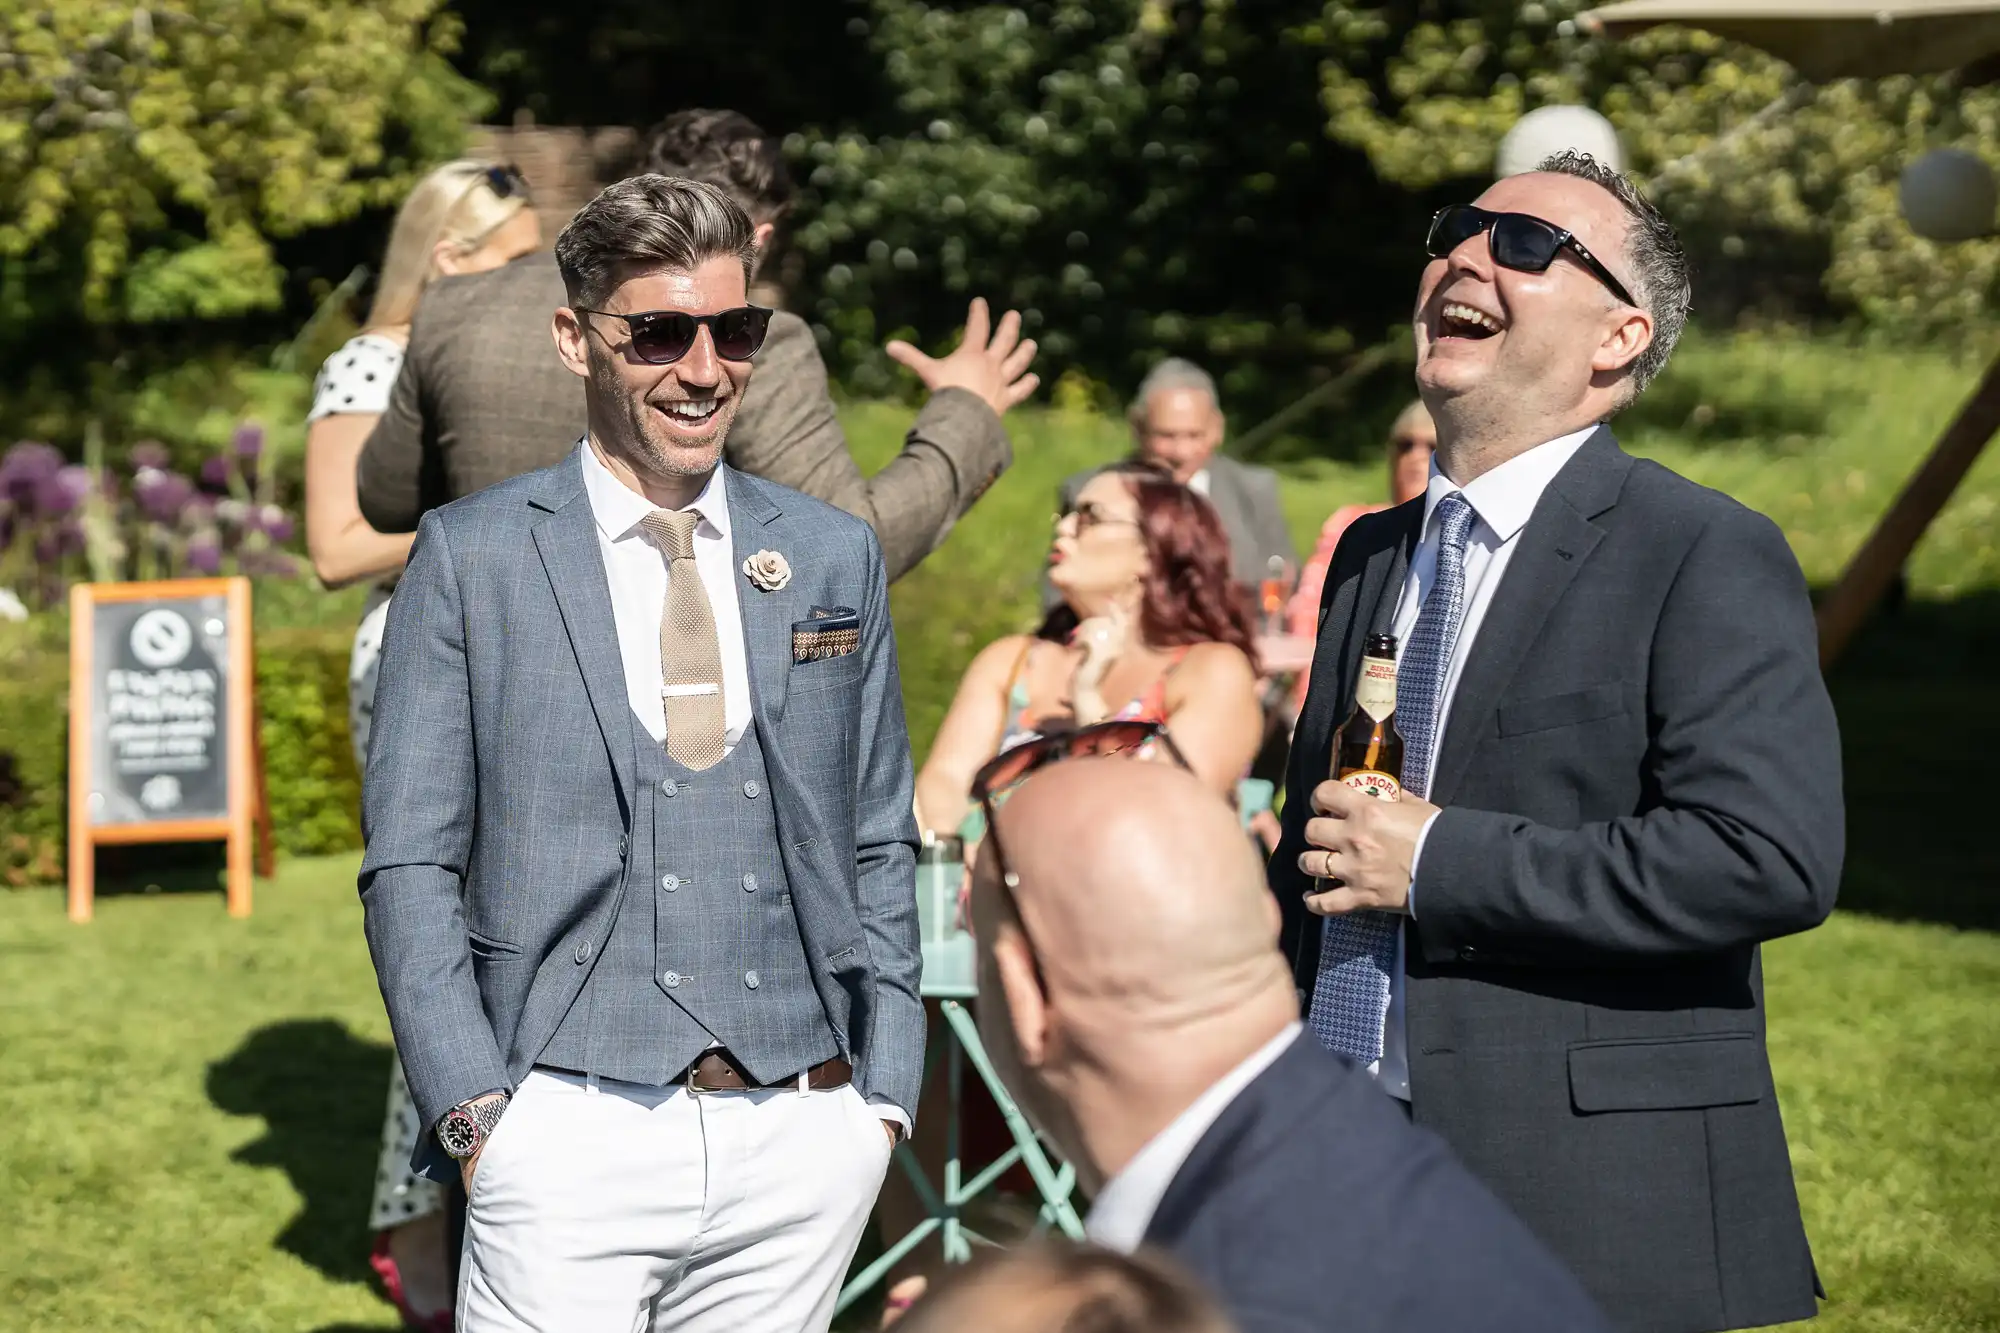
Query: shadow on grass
{"x": 1919, "y": 704}
{"x": 320, "y": 1092}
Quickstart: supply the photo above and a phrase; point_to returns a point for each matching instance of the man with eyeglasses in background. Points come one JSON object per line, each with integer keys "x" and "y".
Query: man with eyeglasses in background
{"x": 480, "y": 399}
{"x": 1621, "y": 776}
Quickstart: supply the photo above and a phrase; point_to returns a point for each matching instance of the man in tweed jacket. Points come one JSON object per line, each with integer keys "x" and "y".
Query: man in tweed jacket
{"x": 480, "y": 399}
{"x": 639, "y": 881}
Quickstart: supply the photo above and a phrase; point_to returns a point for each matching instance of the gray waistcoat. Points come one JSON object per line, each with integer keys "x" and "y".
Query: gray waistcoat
{"x": 705, "y": 947}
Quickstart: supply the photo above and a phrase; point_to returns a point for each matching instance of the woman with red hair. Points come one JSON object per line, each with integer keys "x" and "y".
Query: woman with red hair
{"x": 1150, "y": 626}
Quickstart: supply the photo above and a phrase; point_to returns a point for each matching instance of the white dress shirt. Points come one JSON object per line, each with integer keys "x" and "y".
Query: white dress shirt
{"x": 637, "y": 571}
{"x": 1503, "y": 500}
{"x": 1125, "y": 1206}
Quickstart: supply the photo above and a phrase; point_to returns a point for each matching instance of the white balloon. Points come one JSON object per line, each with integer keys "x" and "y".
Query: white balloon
{"x": 1548, "y": 130}
{"x": 1948, "y": 195}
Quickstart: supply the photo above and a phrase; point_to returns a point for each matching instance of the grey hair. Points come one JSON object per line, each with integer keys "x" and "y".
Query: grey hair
{"x": 1172, "y": 373}
{"x": 1653, "y": 254}
{"x": 650, "y": 222}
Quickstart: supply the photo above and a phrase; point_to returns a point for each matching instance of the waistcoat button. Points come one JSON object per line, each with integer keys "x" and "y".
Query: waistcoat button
{"x": 750, "y": 980}
{"x": 670, "y": 882}
{"x": 623, "y": 846}
{"x": 751, "y": 789}
{"x": 583, "y": 953}
{"x": 749, "y": 884}
{"x": 668, "y": 787}
{"x": 672, "y": 979}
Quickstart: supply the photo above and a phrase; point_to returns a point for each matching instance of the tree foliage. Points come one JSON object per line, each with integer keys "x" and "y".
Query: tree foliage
{"x": 1786, "y": 191}
{"x": 150, "y": 154}
{"x": 1138, "y": 176}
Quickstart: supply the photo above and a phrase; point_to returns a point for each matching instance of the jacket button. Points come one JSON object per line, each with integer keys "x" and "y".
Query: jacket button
{"x": 750, "y": 980}
{"x": 624, "y": 846}
{"x": 668, "y": 787}
{"x": 1468, "y": 955}
{"x": 672, "y": 979}
{"x": 751, "y": 789}
{"x": 583, "y": 953}
{"x": 670, "y": 882}
{"x": 749, "y": 884}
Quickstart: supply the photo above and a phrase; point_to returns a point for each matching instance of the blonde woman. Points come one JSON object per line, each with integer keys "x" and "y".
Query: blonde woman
{"x": 464, "y": 217}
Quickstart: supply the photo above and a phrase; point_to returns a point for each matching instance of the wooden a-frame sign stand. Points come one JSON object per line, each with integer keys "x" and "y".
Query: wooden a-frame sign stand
{"x": 248, "y": 803}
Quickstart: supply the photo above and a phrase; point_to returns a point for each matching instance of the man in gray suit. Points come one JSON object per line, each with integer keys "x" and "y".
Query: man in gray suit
{"x": 1621, "y": 776}
{"x": 1177, "y": 422}
{"x": 639, "y": 881}
{"x": 479, "y": 398}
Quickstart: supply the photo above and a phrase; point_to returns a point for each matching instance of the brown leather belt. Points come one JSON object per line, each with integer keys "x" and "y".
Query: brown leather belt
{"x": 717, "y": 1071}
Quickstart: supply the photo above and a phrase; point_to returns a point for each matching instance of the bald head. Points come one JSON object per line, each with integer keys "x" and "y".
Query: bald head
{"x": 1134, "y": 962}
{"x": 1139, "y": 889}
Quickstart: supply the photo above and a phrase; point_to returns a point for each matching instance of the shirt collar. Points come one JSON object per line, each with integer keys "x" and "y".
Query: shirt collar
{"x": 619, "y": 509}
{"x": 1125, "y": 1206}
{"x": 1505, "y": 497}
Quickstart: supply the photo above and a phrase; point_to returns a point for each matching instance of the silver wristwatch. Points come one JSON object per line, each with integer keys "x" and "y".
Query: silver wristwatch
{"x": 463, "y": 1129}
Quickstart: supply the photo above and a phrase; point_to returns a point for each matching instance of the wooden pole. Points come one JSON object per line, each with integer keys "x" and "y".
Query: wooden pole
{"x": 1876, "y": 564}
{"x": 82, "y": 850}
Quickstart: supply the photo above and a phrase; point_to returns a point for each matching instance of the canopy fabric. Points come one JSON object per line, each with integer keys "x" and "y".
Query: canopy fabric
{"x": 1828, "y": 39}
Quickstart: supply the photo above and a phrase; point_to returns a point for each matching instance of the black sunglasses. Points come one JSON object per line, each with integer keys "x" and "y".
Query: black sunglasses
{"x": 1519, "y": 241}
{"x": 1010, "y": 768}
{"x": 662, "y": 337}
{"x": 507, "y": 181}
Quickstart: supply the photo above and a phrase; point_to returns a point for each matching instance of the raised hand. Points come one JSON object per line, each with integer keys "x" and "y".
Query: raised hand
{"x": 991, "y": 362}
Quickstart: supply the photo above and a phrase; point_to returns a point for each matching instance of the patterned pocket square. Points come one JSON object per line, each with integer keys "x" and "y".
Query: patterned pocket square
{"x": 833, "y": 631}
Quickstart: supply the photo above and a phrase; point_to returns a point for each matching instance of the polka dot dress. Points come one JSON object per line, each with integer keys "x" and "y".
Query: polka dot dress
{"x": 357, "y": 378}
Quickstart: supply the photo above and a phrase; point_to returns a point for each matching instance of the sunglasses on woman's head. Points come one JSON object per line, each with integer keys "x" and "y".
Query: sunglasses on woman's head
{"x": 507, "y": 181}
{"x": 1519, "y": 241}
{"x": 1005, "y": 772}
{"x": 662, "y": 337}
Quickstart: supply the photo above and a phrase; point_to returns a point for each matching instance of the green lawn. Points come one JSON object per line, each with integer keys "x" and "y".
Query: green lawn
{"x": 187, "y": 1129}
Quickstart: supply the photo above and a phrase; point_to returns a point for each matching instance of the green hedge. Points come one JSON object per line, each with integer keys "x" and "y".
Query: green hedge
{"x": 309, "y": 763}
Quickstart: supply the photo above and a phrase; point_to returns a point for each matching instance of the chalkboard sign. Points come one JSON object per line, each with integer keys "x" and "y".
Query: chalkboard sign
{"x": 162, "y": 731}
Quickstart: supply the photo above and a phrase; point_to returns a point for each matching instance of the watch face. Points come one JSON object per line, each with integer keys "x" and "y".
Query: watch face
{"x": 459, "y": 1133}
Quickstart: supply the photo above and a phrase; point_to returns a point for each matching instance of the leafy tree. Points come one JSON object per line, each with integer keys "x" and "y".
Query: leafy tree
{"x": 151, "y": 153}
{"x": 1785, "y": 191}
{"x": 1139, "y": 176}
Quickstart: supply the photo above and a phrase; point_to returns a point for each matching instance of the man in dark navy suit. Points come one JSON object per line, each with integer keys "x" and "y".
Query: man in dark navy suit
{"x": 1133, "y": 997}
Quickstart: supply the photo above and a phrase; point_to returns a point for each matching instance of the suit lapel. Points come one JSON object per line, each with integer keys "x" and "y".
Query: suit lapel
{"x": 1554, "y": 546}
{"x": 767, "y": 616}
{"x": 567, "y": 541}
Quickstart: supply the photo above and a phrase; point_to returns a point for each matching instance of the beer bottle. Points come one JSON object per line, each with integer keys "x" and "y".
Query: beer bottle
{"x": 1368, "y": 751}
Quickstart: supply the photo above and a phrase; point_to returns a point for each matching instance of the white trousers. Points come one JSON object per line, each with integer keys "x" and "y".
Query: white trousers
{"x": 630, "y": 1208}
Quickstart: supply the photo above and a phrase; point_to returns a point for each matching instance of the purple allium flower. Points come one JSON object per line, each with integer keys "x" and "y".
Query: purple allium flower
{"x": 162, "y": 495}
{"x": 232, "y": 512}
{"x": 276, "y": 523}
{"x": 64, "y": 491}
{"x": 204, "y": 557}
{"x": 248, "y": 442}
{"x": 24, "y": 467}
{"x": 149, "y": 454}
{"x": 215, "y": 474}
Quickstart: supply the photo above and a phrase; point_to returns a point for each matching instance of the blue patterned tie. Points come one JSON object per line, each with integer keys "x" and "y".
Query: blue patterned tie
{"x": 1351, "y": 994}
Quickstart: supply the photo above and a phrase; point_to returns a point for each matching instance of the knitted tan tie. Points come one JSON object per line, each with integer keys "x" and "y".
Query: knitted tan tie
{"x": 690, "y": 655}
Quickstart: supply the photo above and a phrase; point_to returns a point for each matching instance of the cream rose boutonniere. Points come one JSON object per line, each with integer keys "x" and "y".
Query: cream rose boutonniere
{"x": 768, "y": 570}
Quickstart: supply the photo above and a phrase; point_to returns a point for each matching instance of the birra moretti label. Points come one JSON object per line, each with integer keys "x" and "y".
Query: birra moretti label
{"x": 1375, "y": 695}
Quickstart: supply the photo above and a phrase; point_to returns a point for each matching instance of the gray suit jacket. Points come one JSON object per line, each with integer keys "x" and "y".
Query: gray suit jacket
{"x": 500, "y": 779}
{"x": 482, "y": 397}
{"x": 1640, "y": 782}
{"x": 1246, "y": 500}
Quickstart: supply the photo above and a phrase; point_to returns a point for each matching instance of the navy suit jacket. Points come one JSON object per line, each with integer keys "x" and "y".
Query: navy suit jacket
{"x": 1313, "y": 1203}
